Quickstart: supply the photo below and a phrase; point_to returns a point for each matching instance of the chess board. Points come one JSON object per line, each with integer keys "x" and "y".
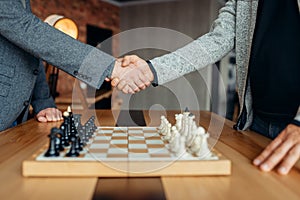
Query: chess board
{"x": 125, "y": 152}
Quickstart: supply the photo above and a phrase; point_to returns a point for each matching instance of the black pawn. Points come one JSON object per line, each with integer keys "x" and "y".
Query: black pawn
{"x": 73, "y": 152}
{"x": 52, "y": 151}
{"x": 59, "y": 140}
{"x": 78, "y": 144}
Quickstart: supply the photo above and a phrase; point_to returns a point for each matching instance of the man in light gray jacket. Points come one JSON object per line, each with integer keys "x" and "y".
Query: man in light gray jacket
{"x": 24, "y": 41}
{"x": 265, "y": 35}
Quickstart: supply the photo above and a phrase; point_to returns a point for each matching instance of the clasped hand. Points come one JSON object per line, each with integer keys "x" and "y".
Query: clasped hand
{"x": 131, "y": 74}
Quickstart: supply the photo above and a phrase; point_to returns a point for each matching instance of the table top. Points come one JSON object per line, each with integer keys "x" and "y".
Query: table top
{"x": 245, "y": 181}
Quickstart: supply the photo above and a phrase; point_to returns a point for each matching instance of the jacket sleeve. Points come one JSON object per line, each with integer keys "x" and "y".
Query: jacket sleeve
{"x": 28, "y": 32}
{"x": 41, "y": 97}
{"x": 205, "y": 50}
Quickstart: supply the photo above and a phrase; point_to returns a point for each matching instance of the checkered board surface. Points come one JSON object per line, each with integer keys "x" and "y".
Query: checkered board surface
{"x": 124, "y": 152}
{"x": 125, "y": 144}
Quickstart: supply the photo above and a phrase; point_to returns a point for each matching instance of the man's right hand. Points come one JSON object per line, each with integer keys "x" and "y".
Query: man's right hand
{"x": 131, "y": 74}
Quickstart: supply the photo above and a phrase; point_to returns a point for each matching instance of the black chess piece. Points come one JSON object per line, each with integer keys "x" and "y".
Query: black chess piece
{"x": 186, "y": 109}
{"x": 78, "y": 144}
{"x": 73, "y": 129}
{"x": 65, "y": 128}
{"x": 93, "y": 125}
{"x": 82, "y": 136}
{"x": 73, "y": 152}
{"x": 191, "y": 115}
{"x": 52, "y": 151}
{"x": 59, "y": 140}
{"x": 77, "y": 120}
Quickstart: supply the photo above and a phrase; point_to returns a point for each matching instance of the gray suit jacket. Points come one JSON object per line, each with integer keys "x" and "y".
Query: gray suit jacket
{"x": 234, "y": 28}
{"x": 24, "y": 41}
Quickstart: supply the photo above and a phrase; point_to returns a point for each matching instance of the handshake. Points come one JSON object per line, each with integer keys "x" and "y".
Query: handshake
{"x": 131, "y": 74}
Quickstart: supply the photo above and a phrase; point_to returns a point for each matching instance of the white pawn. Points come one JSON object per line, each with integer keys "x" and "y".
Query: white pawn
{"x": 161, "y": 123}
{"x": 175, "y": 142}
{"x": 204, "y": 151}
{"x": 167, "y": 129}
{"x": 164, "y": 127}
{"x": 174, "y": 133}
{"x": 201, "y": 130}
{"x": 192, "y": 134}
{"x": 181, "y": 150}
{"x": 167, "y": 134}
{"x": 196, "y": 145}
{"x": 178, "y": 118}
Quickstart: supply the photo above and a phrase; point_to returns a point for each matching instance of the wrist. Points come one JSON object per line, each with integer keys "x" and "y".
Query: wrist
{"x": 110, "y": 69}
{"x": 155, "y": 80}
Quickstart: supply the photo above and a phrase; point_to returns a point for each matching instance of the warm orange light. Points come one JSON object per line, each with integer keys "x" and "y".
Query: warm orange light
{"x": 63, "y": 24}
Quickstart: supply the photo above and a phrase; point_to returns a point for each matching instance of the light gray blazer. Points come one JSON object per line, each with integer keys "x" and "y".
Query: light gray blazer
{"x": 234, "y": 28}
{"x": 24, "y": 41}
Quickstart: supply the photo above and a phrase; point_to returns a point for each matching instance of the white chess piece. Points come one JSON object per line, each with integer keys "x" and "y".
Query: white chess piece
{"x": 164, "y": 129}
{"x": 181, "y": 150}
{"x": 184, "y": 124}
{"x": 167, "y": 129}
{"x": 174, "y": 132}
{"x": 162, "y": 123}
{"x": 167, "y": 134}
{"x": 190, "y": 124}
{"x": 196, "y": 145}
{"x": 175, "y": 142}
{"x": 201, "y": 130}
{"x": 190, "y": 138}
{"x": 204, "y": 151}
{"x": 178, "y": 118}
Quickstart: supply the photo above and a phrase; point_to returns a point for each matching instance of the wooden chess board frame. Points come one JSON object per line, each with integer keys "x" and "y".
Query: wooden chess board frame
{"x": 78, "y": 167}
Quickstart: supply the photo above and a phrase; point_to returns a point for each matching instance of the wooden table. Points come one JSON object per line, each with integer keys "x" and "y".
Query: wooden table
{"x": 245, "y": 182}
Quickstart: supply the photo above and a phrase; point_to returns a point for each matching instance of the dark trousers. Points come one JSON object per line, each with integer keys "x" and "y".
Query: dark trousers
{"x": 266, "y": 128}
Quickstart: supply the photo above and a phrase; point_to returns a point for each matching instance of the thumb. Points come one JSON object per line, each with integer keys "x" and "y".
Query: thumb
{"x": 129, "y": 59}
{"x": 41, "y": 116}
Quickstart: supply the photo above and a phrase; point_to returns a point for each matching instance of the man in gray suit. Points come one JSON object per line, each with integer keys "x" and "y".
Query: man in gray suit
{"x": 24, "y": 41}
{"x": 265, "y": 35}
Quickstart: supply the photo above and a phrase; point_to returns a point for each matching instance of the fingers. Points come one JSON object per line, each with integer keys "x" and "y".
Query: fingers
{"x": 129, "y": 59}
{"x": 290, "y": 160}
{"x": 283, "y": 152}
{"x": 42, "y": 119}
{"x": 127, "y": 87}
{"x": 145, "y": 81}
{"x": 134, "y": 76}
{"x": 49, "y": 114}
{"x": 268, "y": 151}
{"x": 276, "y": 156}
{"x": 115, "y": 82}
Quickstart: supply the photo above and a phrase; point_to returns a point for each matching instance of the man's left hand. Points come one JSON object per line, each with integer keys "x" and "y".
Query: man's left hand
{"x": 283, "y": 151}
{"x": 49, "y": 115}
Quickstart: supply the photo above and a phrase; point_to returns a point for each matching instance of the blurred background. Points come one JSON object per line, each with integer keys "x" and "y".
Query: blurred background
{"x": 99, "y": 20}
